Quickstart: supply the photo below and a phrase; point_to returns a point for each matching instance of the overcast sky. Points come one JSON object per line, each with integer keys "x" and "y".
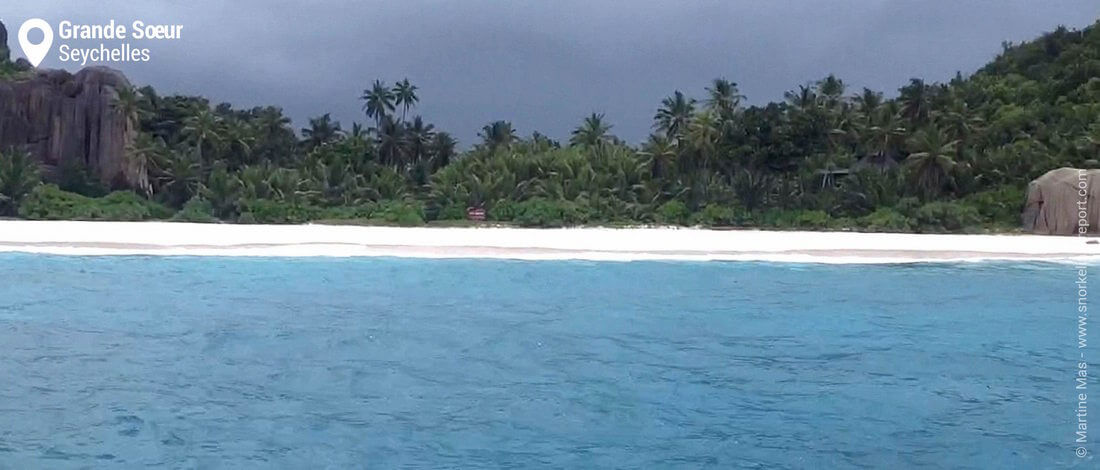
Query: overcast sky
{"x": 544, "y": 65}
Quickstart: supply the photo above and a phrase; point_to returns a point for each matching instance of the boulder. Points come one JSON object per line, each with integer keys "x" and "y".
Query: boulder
{"x": 1062, "y": 202}
{"x": 63, "y": 118}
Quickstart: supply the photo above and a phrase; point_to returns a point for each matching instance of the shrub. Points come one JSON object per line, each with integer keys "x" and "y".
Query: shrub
{"x": 197, "y": 210}
{"x": 48, "y": 202}
{"x": 267, "y": 211}
{"x": 344, "y": 212}
{"x": 400, "y": 212}
{"x": 540, "y": 212}
{"x": 812, "y": 219}
{"x": 246, "y": 218}
{"x": 714, "y": 215}
{"x": 504, "y": 210}
{"x": 947, "y": 216}
{"x": 673, "y": 212}
{"x": 451, "y": 212}
{"x": 885, "y": 219}
{"x": 795, "y": 219}
{"x": 74, "y": 178}
{"x": 1001, "y": 205}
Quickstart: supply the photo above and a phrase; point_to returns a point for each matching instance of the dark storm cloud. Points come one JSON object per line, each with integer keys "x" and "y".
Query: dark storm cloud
{"x": 545, "y": 64}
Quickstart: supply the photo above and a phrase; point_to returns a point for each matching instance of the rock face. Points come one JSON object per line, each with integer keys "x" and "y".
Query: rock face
{"x": 62, "y": 118}
{"x": 1059, "y": 200}
{"x": 5, "y": 53}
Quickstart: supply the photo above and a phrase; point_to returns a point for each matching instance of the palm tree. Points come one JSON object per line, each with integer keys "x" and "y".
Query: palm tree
{"x": 703, "y": 134}
{"x": 867, "y": 102}
{"x": 660, "y": 154}
{"x": 832, "y": 89}
{"x": 804, "y": 99}
{"x": 442, "y": 150}
{"x": 141, "y": 154}
{"x": 419, "y": 136}
{"x": 591, "y": 132}
{"x": 724, "y": 97}
{"x": 128, "y": 104}
{"x": 273, "y": 140}
{"x": 391, "y": 142}
{"x": 18, "y": 176}
{"x": 404, "y": 94}
{"x": 222, "y": 190}
{"x": 497, "y": 134}
{"x": 321, "y": 130}
{"x": 960, "y": 123}
{"x": 377, "y": 101}
{"x": 882, "y": 133}
{"x": 915, "y": 101}
{"x": 179, "y": 179}
{"x": 202, "y": 128}
{"x": 356, "y": 132}
{"x": 135, "y": 166}
{"x": 239, "y": 138}
{"x": 932, "y": 164}
{"x": 673, "y": 115}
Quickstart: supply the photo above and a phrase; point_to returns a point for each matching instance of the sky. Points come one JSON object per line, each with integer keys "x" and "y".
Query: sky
{"x": 545, "y": 65}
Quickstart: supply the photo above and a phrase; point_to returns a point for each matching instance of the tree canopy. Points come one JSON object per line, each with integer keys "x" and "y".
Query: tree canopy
{"x": 935, "y": 156}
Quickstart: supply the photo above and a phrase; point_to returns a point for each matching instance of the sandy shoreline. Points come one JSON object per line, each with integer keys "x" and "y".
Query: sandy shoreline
{"x": 163, "y": 238}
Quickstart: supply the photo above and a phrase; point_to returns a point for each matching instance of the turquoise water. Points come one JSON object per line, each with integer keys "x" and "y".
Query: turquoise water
{"x": 382, "y": 363}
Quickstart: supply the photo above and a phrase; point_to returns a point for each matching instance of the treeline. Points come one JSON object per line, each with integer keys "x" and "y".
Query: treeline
{"x": 953, "y": 156}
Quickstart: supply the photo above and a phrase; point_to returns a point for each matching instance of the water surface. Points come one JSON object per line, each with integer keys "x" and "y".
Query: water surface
{"x": 382, "y": 363}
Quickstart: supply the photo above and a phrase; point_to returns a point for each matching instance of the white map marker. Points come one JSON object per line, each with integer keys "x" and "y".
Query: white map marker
{"x": 35, "y": 52}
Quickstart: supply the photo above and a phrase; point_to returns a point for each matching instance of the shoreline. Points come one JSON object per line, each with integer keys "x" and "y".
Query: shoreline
{"x": 94, "y": 238}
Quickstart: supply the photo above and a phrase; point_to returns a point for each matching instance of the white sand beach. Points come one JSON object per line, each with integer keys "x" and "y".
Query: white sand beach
{"x": 165, "y": 238}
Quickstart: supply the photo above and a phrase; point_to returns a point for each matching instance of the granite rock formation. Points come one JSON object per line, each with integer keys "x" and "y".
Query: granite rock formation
{"x": 1057, "y": 201}
{"x": 63, "y": 118}
{"x": 5, "y": 53}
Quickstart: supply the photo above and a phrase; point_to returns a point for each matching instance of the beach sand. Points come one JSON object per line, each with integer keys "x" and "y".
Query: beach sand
{"x": 626, "y": 244}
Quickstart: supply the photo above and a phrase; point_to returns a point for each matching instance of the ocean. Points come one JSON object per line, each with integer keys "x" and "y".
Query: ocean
{"x": 207, "y": 362}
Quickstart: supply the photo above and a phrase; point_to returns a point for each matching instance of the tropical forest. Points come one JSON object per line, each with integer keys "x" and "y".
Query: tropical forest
{"x": 932, "y": 156}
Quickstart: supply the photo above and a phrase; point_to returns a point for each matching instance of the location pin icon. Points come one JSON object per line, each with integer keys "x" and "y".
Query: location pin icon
{"x": 35, "y": 52}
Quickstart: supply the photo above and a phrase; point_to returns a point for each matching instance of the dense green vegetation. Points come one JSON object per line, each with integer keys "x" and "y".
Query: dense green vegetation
{"x": 953, "y": 156}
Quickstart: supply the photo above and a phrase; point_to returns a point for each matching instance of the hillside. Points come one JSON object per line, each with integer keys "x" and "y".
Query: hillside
{"x": 952, "y": 156}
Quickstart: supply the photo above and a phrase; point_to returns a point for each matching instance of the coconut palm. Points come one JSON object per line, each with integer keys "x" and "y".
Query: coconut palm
{"x": 831, "y": 90}
{"x": 419, "y": 137}
{"x": 179, "y": 178}
{"x": 404, "y": 95}
{"x": 18, "y": 176}
{"x": 391, "y": 142}
{"x": 356, "y": 132}
{"x": 128, "y": 103}
{"x": 660, "y": 155}
{"x": 239, "y": 138}
{"x": 867, "y": 102}
{"x": 915, "y": 101}
{"x": 378, "y": 101}
{"x": 882, "y": 135}
{"x": 932, "y": 164}
{"x": 704, "y": 132}
{"x": 321, "y": 130}
{"x": 273, "y": 139}
{"x": 724, "y": 97}
{"x": 442, "y": 149}
{"x": 674, "y": 114}
{"x": 497, "y": 134}
{"x": 591, "y": 132}
{"x": 202, "y": 128}
{"x": 804, "y": 98}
